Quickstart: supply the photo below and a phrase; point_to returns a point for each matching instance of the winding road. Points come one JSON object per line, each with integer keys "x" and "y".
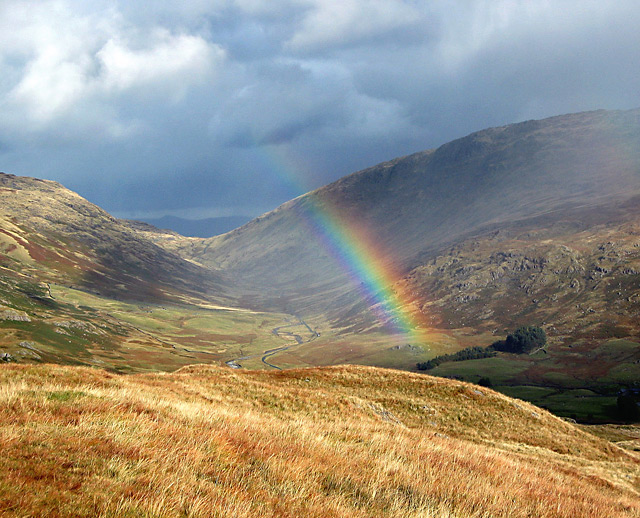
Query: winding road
{"x": 280, "y": 334}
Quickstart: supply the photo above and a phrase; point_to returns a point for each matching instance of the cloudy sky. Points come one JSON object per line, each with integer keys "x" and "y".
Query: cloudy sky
{"x": 226, "y": 107}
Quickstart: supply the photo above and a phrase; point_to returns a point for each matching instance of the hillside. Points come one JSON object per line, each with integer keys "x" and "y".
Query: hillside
{"x": 531, "y": 223}
{"x": 414, "y": 207}
{"x": 577, "y": 274}
{"x": 339, "y": 441}
{"x": 47, "y": 228}
{"x": 79, "y": 287}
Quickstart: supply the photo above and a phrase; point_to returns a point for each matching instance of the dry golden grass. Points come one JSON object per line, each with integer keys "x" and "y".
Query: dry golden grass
{"x": 331, "y": 442}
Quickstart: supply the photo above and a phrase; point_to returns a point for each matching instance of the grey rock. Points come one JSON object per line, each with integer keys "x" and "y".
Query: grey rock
{"x": 13, "y": 315}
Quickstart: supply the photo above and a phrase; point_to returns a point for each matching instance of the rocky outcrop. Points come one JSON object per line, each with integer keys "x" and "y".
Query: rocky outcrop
{"x": 570, "y": 281}
{"x": 13, "y": 315}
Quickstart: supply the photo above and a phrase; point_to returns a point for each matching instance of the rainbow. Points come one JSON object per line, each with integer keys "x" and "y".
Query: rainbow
{"x": 352, "y": 246}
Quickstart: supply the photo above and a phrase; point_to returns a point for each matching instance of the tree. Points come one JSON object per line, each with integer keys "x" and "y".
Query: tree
{"x": 523, "y": 340}
{"x": 470, "y": 353}
{"x": 628, "y": 407}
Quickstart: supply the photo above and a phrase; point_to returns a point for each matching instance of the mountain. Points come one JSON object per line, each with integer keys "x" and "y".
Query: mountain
{"x": 534, "y": 223}
{"x": 79, "y": 287}
{"x": 207, "y": 227}
{"x": 340, "y": 441}
{"x": 415, "y": 207}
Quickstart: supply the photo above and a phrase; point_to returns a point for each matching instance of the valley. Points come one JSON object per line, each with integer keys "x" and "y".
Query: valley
{"x": 319, "y": 259}
{"x": 273, "y": 370}
{"x": 536, "y": 223}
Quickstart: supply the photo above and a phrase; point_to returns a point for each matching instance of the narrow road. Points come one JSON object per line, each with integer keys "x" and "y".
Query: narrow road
{"x": 271, "y": 352}
{"x": 280, "y": 334}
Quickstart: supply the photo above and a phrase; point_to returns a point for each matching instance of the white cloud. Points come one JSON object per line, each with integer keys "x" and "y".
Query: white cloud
{"x": 63, "y": 59}
{"x": 329, "y": 23}
{"x": 49, "y": 86}
{"x": 178, "y": 59}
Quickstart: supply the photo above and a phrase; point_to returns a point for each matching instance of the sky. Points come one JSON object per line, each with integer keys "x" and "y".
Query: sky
{"x": 200, "y": 108}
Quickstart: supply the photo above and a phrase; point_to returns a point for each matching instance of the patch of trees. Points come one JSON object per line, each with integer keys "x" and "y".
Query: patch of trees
{"x": 628, "y": 404}
{"x": 523, "y": 340}
{"x": 470, "y": 353}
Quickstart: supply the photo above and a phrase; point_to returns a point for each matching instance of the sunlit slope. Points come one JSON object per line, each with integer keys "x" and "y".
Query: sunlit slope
{"x": 340, "y": 441}
{"x": 53, "y": 234}
{"x": 413, "y": 207}
{"x": 57, "y": 324}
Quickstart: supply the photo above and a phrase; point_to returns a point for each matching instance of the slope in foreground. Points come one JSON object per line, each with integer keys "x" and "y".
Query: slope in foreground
{"x": 331, "y": 442}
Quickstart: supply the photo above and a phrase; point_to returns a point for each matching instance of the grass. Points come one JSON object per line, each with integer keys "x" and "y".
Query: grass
{"x": 175, "y": 322}
{"x": 135, "y": 337}
{"x": 527, "y": 393}
{"x": 153, "y": 336}
{"x": 500, "y": 370}
{"x": 330, "y": 442}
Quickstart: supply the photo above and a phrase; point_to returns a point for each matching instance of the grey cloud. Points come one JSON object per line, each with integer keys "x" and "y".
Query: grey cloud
{"x": 171, "y": 106}
{"x": 290, "y": 131}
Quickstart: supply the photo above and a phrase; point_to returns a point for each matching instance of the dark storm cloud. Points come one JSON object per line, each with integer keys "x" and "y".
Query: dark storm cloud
{"x": 164, "y": 107}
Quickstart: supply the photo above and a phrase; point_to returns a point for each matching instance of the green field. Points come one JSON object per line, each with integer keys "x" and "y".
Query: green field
{"x": 559, "y": 379}
{"x": 580, "y": 380}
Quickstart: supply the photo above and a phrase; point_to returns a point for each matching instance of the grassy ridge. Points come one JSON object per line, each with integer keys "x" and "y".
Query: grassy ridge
{"x": 339, "y": 441}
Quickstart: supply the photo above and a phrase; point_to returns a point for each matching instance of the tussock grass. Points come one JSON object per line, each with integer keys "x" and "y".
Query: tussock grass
{"x": 330, "y": 442}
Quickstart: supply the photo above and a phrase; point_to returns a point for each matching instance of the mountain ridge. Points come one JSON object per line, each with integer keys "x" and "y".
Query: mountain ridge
{"x": 417, "y": 205}
{"x": 203, "y": 228}
{"x": 92, "y": 248}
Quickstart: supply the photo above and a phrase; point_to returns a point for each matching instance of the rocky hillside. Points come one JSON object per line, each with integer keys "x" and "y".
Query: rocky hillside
{"x": 579, "y": 277}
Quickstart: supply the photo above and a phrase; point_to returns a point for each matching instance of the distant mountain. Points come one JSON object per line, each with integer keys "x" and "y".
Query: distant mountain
{"x": 208, "y": 227}
{"x": 535, "y": 223}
